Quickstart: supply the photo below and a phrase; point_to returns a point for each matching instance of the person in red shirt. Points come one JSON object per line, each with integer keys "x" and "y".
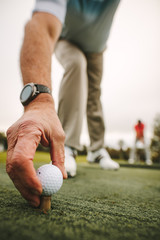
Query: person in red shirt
{"x": 139, "y": 144}
{"x": 139, "y": 128}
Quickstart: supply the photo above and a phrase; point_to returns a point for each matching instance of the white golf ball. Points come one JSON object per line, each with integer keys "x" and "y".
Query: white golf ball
{"x": 51, "y": 179}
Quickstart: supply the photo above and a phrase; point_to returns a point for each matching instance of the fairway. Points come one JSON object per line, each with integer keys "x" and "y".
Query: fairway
{"x": 96, "y": 204}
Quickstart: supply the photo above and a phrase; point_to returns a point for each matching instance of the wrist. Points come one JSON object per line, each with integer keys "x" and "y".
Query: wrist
{"x": 41, "y": 101}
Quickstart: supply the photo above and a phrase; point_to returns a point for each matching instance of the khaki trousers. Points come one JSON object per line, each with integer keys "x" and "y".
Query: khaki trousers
{"x": 79, "y": 94}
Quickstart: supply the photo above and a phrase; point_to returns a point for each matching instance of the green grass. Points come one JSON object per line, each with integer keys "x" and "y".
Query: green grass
{"x": 96, "y": 204}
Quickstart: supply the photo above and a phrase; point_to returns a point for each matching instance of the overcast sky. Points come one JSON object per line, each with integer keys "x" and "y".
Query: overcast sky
{"x": 131, "y": 79}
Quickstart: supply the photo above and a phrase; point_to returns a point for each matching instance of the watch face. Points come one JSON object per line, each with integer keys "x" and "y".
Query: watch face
{"x": 26, "y": 93}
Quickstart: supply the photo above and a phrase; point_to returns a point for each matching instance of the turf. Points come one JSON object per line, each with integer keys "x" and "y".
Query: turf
{"x": 96, "y": 204}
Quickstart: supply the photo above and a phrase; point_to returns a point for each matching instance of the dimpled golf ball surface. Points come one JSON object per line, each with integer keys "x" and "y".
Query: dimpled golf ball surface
{"x": 51, "y": 179}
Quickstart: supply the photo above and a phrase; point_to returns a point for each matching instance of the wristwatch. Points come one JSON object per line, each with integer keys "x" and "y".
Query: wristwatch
{"x": 31, "y": 91}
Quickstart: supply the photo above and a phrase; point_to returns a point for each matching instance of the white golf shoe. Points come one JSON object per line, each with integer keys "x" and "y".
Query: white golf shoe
{"x": 149, "y": 162}
{"x": 70, "y": 162}
{"x": 131, "y": 161}
{"x": 104, "y": 159}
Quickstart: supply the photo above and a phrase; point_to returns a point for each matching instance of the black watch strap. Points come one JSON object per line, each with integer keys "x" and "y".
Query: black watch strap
{"x": 42, "y": 89}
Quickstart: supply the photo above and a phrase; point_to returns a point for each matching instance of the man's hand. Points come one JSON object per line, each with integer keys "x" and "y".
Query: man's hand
{"x": 38, "y": 124}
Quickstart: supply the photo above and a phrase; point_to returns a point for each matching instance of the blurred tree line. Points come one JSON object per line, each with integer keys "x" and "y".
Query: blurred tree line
{"x": 116, "y": 154}
{"x": 155, "y": 141}
{"x": 3, "y": 140}
{"x": 120, "y": 153}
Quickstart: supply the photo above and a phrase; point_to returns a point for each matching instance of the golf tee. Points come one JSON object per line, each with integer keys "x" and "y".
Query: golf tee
{"x": 45, "y": 203}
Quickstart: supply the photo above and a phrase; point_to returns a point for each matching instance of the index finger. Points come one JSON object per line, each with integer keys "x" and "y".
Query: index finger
{"x": 58, "y": 156}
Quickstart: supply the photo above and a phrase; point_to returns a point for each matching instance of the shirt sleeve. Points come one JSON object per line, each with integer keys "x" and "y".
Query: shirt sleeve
{"x": 54, "y": 7}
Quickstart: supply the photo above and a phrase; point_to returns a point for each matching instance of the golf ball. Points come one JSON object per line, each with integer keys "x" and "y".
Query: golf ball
{"x": 51, "y": 179}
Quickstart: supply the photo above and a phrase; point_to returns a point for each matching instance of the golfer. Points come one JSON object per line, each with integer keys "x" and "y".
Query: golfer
{"x": 140, "y": 144}
{"x": 77, "y": 31}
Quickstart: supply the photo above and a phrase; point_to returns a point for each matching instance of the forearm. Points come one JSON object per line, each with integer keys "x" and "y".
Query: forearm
{"x": 41, "y": 34}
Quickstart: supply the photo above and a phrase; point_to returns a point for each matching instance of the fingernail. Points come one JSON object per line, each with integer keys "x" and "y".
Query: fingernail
{"x": 65, "y": 175}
